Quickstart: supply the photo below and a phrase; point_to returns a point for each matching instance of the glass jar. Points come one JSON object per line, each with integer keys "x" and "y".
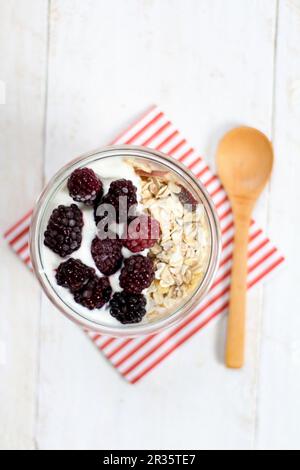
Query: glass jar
{"x": 157, "y": 161}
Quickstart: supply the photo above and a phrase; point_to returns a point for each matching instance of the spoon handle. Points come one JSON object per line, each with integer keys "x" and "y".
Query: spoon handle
{"x": 234, "y": 356}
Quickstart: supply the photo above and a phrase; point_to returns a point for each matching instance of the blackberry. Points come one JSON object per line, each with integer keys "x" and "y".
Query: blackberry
{"x": 142, "y": 233}
{"x": 128, "y": 308}
{"x": 137, "y": 274}
{"x": 122, "y": 188}
{"x": 185, "y": 197}
{"x": 107, "y": 254}
{"x": 95, "y": 293}
{"x": 73, "y": 274}
{"x": 64, "y": 230}
{"x": 85, "y": 186}
{"x": 122, "y": 196}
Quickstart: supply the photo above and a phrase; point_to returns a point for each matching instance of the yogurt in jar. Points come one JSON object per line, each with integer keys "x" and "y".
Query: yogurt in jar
{"x": 180, "y": 256}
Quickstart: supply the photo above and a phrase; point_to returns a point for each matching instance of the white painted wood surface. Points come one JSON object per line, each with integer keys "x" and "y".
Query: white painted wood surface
{"x": 23, "y": 33}
{"x": 76, "y": 73}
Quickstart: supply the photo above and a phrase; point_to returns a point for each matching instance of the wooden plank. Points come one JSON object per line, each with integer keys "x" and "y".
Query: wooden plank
{"x": 23, "y": 38}
{"x": 279, "y": 384}
{"x": 210, "y": 65}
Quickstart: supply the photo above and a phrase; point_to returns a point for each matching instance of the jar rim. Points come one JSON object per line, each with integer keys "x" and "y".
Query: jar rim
{"x": 184, "y": 173}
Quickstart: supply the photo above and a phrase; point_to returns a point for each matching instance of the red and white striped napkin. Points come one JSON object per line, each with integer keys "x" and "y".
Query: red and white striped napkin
{"x": 134, "y": 358}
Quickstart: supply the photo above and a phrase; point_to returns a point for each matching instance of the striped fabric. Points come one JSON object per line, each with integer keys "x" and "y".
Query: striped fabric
{"x": 134, "y": 358}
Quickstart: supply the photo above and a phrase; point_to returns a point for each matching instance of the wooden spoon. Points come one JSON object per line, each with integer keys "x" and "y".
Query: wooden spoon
{"x": 244, "y": 161}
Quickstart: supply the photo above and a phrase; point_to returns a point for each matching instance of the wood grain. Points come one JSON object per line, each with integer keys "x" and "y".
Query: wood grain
{"x": 279, "y": 378}
{"x": 23, "y": 38}
{"x": 98, "y": 77}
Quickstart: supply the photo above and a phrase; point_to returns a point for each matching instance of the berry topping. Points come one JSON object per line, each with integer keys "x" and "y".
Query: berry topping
{"x": 122, "y": 188}
{"x": 137, "y": 274}
{"x": 73, "y": 274}
{"x": 63, "y": 233}
{"x": 185, "y": 197}
{"x": 128, "y": 308}
{"x": 121, "y": 196}
{"x": 85, "y": 186}
{"x": 95, "y": 293}
{"x": 142, "y": 233}
{"x": 107, "y": 254}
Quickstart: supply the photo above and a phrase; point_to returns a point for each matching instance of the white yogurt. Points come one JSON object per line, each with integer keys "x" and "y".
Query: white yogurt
{"x": 108, "y": 170}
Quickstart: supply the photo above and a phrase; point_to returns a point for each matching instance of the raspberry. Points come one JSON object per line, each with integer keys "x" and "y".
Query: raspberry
{"x": 107, "y": 254}
{"x": 63, "y": 233}
{"x": 142, "y": 233}
{"x": 128, "y": 308}
{"x": 122, "y": 196}
{"x": 95, "y": 293}
{"x": 185, "y": 197}
{"x": 85, "y": 186}
{"x": 137, "y": 274}
{"x": 73, "y": 274}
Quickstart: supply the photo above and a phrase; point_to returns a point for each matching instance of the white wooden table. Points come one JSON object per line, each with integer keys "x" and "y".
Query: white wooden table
{"x": 75, "y": 72}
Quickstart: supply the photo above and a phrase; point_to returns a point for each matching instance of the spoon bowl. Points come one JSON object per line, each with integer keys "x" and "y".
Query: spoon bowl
{"x": 244, "y": 160}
